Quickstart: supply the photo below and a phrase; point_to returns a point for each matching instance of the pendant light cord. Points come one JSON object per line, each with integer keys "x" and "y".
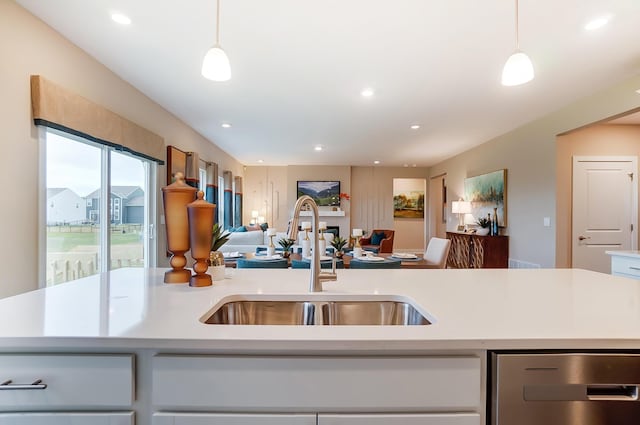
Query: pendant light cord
{"x": 517, "y": 35}
{"x": 218, "y": 23}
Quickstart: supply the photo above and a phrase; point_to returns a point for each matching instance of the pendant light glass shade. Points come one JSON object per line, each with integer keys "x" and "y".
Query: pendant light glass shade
{"x": 518, "y": 70}
{"x": 215, "y": 65}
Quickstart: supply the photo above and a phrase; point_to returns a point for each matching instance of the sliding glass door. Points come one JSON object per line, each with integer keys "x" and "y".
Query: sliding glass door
{"x": 99, "y": 209}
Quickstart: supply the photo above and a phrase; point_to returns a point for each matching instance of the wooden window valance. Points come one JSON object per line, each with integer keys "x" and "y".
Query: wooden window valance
{"x": 56, "y": 107}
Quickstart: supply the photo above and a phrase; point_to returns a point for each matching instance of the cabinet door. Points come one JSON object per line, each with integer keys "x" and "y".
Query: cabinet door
{"x": 47, "y": 418}
{"x": 394, "y": 419}
{"x": 232, "y": 419}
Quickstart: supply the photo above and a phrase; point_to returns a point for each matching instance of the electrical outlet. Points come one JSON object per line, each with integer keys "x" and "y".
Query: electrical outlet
{"x": 547, "y": 221}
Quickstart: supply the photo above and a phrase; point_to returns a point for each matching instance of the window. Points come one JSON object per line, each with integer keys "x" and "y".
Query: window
{"x": 77, "y": 242}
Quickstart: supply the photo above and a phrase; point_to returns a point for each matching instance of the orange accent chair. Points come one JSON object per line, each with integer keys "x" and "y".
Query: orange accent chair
{"x": 380, "y": 241}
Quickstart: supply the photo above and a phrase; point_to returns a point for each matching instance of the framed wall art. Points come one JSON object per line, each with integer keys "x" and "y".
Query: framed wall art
{"x": 486, "y": 192}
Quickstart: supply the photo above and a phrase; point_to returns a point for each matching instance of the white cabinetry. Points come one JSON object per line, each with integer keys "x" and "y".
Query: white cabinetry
{"x": 66, "y": 418}
{"x": 63, "y": 388}
{"x": 383, "y": 387}
{"x": 232, "y": 419}
{"x": 408, "y": 419}
{"x": 625, "y": 263}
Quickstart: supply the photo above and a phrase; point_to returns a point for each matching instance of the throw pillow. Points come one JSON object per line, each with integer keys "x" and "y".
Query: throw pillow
{"x": 377, "y": 237}
{"x": 241, "y": 229}
{"x": 264, "y": 226}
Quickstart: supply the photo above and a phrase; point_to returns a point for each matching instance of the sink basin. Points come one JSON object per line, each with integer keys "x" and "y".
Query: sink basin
{"x": 263, "y": 313}
{"x": 321, "y": 309}
{"x": 371, "y": 313}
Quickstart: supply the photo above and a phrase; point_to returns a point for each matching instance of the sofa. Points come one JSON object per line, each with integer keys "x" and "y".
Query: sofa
{"x": 251, "y": 239}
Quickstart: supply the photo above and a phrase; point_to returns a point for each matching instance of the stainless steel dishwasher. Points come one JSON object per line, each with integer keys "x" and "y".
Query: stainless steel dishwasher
{"x": 565, "y": 389}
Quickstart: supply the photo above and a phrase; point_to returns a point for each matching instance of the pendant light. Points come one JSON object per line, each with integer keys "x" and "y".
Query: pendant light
{"x": 215, "y": 65}
{"x": 518, "y": 69}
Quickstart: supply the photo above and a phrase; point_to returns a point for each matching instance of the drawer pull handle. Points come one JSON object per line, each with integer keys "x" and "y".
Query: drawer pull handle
{"x": 634, "y": 268}
{"x": 36, "y": 385}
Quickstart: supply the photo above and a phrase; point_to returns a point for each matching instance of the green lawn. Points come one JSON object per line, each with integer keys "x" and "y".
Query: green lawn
{"x": 67, "y": 241}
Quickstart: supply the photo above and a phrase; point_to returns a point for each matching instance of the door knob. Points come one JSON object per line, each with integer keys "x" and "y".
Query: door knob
{"x": 581, "y": 238}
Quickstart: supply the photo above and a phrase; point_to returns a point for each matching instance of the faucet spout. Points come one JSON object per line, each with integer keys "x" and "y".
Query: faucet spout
{"x": 315, "y": 283}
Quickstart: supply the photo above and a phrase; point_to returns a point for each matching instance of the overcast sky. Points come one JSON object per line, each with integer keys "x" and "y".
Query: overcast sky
{"x": 76, "y": 166}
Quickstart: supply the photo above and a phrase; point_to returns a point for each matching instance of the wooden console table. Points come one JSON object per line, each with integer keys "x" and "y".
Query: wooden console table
{"x": 471, "y": 251}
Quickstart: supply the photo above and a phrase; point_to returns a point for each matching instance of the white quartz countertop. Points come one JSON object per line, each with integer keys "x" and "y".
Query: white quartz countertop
{"x": 632, "y": 254}
{"x": 471, "y": 309}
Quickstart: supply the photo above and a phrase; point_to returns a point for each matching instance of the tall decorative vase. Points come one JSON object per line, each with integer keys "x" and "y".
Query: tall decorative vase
{"x": 201, "y": 217}
{"x": 494, "y": 223}
{"x": 175, "y": 198}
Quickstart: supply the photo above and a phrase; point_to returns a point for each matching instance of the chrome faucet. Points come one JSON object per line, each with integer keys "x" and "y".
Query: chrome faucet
{"x": 317, "y": 276}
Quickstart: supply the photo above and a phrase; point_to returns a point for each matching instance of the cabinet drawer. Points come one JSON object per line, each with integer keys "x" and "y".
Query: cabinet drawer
{"x": 46, "y": 418}
{"x": 76, "y": 381}
{"x": 409, "y": 419}
{"x": 232, "y": 419}
{"x": 337, "y": 384}
{"x": 625, "y": 266}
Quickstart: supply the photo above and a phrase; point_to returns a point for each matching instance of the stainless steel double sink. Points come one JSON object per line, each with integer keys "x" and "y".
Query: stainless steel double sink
{"x": 319, "y": 310}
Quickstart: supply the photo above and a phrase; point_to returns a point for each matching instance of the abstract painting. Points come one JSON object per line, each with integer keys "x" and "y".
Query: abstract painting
{"x": 486, "y": 192}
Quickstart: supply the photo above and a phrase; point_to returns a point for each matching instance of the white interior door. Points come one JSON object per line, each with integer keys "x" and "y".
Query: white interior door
{"x": 604, "y": 209}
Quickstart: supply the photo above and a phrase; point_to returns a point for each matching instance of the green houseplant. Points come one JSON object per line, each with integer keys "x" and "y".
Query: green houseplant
{"x": 484, "y": 224}
{"x": 339, "y": 243}
{"x": 219, "y": 238}
{"x": 286, "y": 245}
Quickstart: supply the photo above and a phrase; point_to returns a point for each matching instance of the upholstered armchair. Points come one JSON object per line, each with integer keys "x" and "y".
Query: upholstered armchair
{"x": 380, "y": 241}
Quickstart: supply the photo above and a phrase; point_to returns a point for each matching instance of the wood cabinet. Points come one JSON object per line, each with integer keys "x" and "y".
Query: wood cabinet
{"x": 470, "y": 251}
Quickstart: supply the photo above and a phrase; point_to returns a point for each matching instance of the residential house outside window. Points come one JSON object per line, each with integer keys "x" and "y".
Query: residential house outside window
{"x": 77, "y": 242}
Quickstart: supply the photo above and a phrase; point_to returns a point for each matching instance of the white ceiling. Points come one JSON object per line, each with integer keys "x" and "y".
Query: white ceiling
{"x": 298, "y": 67}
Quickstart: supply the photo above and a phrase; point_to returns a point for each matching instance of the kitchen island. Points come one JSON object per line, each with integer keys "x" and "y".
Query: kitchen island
{"x": 146, "y": 357}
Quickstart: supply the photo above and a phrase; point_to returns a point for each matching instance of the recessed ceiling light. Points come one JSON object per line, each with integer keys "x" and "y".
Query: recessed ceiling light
{"x": 226, "y": 125}
{"x": 405, "y": 165}
{"x": 317, "y": 148}
{"x": 368, "y": 92}
{"x": 260, "y": 161}
{"x": 415, "y": 127}
{"x": 120, "y": 18}
{"x": 598, "y": 22}
{"x": 376, "y": 162}
{"x": 414, "y": 165}
{"x": 638, "y": 91}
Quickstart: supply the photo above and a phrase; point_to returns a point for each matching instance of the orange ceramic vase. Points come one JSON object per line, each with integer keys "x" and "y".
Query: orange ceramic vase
{"x": 175, "y": 199}
{"x": 201, "y": 216}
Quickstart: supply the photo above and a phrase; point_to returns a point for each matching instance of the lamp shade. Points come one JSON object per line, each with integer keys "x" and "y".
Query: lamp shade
{"x": 455, "y": 207}
{"x": 518, "y": 70}
{"x": 215, "y": 65}
{"x": 254, "y": 214}
{"x": 465, "y": 207}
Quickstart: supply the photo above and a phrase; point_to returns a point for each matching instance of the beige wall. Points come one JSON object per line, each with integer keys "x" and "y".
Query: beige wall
{"x": 370, "y": 188}
{"x": 372, "y": 204}
{"x": 28, "y": 46}
{"x": 594, "y": 140}
{"x": 529, "y": 155}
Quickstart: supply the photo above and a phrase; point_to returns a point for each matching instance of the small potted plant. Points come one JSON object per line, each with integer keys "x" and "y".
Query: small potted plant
{"x": 484, "y": 224}
{"x": 338, "y": 243}
{"x": 286, "y": 245}
{"x": 216, "y": 259}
